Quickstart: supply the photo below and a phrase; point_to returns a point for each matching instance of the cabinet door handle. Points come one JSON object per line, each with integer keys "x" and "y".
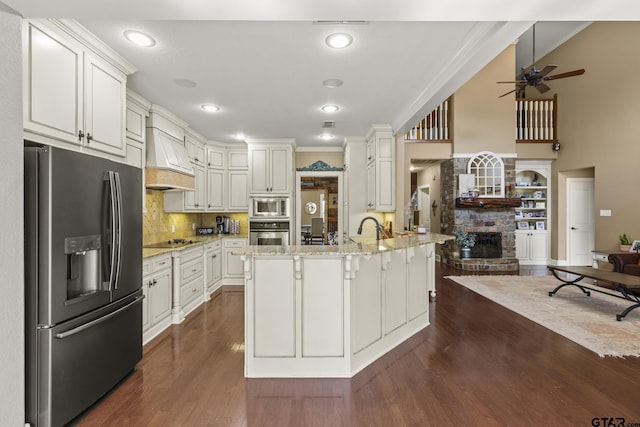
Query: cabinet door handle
{"x": 155, "y": 282}
{"x": 89, "y": 137}
{"x": 213, "y": 256}
{"x": 573, "y": 228}
{"x": 162, "y": 263}
{"x": 80, "y": 135}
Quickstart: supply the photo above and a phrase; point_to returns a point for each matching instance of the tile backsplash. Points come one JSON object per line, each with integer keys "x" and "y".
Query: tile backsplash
{"x": 157, "y": 224}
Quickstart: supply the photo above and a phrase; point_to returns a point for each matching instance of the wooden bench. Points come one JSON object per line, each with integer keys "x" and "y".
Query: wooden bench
{"x": 627, "y": 285}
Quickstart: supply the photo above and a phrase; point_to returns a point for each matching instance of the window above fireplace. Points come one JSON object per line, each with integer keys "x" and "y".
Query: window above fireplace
{"x": 488, "y": 170}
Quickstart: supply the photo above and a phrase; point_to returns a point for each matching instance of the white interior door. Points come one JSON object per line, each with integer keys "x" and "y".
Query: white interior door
{"x": 580, "y": 221}
{"x": 424, "y": 204}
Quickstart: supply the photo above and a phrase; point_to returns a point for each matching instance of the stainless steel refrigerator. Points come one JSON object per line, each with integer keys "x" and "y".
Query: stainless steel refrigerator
{"x": 83, "y": 276}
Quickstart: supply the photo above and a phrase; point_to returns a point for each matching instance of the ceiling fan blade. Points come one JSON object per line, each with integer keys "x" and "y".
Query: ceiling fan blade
{"x": 567, "y": 74}
{"x": 511, "y": 91}
{"x": 542, "y": 88}
{"x": 518, "y": 82}
{"x": 546, "y": 70}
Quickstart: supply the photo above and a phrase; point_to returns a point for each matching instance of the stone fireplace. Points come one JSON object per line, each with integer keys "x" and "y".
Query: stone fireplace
{"x": 494, "y": 226}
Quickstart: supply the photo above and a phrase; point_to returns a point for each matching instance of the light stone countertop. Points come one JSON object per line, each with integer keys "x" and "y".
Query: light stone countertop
{"x": 197, "y": 240}
{"x": 360, "y": 246}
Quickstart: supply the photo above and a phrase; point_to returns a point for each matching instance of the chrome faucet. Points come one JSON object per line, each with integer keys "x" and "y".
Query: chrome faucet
{"x": 378, "y": 226}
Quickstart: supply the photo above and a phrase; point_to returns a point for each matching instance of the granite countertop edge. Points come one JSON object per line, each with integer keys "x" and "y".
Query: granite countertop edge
{"x": 197, "y": 240}
{"x": 360, "y": 246}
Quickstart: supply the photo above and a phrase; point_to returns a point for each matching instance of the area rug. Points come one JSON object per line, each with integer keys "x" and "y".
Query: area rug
{"x": 586, "y": 320}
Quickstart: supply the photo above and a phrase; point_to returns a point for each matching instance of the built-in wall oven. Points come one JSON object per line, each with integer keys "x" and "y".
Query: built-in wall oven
{"x": 263, "y": 232}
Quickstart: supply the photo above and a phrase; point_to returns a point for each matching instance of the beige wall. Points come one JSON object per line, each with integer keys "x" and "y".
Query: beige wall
{"x": 481, "y": 120}
{"x": 598, "y": 116}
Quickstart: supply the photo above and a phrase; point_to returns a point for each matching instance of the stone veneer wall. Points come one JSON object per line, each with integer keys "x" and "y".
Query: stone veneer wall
{"x": 500, "y": 220}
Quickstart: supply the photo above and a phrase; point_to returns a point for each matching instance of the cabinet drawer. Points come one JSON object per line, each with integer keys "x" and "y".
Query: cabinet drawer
{"x": 213, "y": 246}
{"x": 156, "y": 263}
{"x": 146, "y": 267}
{"x": 191, "y": 254}
{"x": 234, "y": 243}
{"x": 192, "y": 270}
{"x": 190, "y": 291}
{"x": 160, "y": 263}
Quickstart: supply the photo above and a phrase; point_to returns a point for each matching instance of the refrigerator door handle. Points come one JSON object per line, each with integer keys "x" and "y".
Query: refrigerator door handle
{"x": 118, "y": 233}
{"x": 115, "y": 204}
{"x": 74, "y": 331}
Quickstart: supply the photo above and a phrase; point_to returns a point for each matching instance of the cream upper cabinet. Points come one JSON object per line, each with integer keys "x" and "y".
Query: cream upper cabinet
{"x": 216, "y": 157}
{"x": 270, "y": 167}
{"x": 73, "y": 96}
{"x": 195, "y": 149}
{"x": 238, "y": 196}
{"x": 215, "y": 190}
{"x": 237, "y": 159}
{"x": 381, "y": 175}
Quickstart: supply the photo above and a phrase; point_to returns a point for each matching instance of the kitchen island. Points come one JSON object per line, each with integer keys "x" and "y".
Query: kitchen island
{"x": 329, "y": 311}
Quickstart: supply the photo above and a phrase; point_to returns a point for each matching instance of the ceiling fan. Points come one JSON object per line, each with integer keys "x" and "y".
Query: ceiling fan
{"x": 536, "y": 78}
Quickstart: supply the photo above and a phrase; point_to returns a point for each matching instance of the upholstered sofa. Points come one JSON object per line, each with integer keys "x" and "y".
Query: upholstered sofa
{"x": 626, "y": 263}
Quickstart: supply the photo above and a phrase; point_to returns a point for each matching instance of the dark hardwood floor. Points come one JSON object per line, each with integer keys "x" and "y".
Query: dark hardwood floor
{"x": 477, "y": 364}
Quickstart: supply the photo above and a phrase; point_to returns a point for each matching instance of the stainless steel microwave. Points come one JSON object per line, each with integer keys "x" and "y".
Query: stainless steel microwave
{"x": 269, "y": 207}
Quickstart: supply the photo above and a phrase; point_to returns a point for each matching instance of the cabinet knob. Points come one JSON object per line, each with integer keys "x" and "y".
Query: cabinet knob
{"x": 214, "y": 255}
{"x": 155, "y": 282}
{"x": 89, "y": 137}
{"x": 80, "y": 135}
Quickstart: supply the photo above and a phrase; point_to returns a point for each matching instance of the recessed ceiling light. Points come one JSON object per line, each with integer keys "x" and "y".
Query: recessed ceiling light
{"x": 332, "y": 83}
{"x": 141, "y": 39}
{"x": 339, "y": 40}
{"x": 210, "y": 108}
{"x": 184, "y": 82}
{"x": 330, "y": 108}
{"x": 326, "y": 136}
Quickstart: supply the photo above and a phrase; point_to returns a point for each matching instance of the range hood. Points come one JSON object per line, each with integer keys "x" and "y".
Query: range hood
{"x": 168, "y": 167}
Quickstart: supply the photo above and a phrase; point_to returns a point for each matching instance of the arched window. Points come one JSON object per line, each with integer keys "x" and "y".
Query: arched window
{"x": 488, "y": 170}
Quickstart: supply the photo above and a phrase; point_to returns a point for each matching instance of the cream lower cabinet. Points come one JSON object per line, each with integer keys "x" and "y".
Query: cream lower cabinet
{"x": 233, "y": 269}
{"x": 212, "y": 267}
{"x": 532, "y": 247}
{"x": 156, "y": 287}
{"x": 188, "y": 281}
{"x": 332, "y": 315}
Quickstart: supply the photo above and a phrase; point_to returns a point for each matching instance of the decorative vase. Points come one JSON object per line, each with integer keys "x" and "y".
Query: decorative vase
{"x": 465, "y": 253}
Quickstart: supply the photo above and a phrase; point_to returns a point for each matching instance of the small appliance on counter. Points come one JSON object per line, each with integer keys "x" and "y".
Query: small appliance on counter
{"x": 205, "y": 231}
{"x": 222, "y": 222}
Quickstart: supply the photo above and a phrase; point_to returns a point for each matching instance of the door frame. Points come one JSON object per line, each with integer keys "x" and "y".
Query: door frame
{"x": 298, "y": 198}
{"x": 425, "y": 210}
{"x": 569, "y": 210}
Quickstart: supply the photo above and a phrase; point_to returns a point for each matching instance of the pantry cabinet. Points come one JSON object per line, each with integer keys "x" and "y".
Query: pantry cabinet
{"x": 270, "y": 167}
{"x": 74, "y": 91}
{"x": 156, "y": 287}
{"x": 381, "y": 175}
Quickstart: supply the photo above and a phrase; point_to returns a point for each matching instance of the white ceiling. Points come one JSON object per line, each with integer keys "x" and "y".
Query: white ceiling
{"x": 263, "y": 63}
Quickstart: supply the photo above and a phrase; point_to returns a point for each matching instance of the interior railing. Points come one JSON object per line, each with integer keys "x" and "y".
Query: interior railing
{"x": 435, "y": 127}
{"x": 537, "y": 120}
